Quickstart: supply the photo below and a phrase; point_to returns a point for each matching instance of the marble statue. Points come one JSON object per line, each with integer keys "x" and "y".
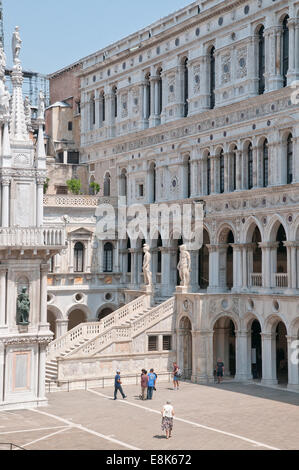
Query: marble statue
{"x": 27, "y": 110}
{"x": 41, "y": 106}
{"x": 16, "y": 44}
{"x": 147, "y": 266}
{"x": 184, "y": 266}
{"x": 23, "y": 308}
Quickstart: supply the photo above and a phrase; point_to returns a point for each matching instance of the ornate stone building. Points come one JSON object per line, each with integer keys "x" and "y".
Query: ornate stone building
{"x": 26, "y": 245}
{"x": 199, "y": 106}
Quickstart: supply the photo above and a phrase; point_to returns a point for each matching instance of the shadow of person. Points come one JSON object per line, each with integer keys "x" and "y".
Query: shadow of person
{"x": 159, "y": 437}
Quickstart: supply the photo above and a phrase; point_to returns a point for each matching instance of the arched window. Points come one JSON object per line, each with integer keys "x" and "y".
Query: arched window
{"x": 234, "y": 168}
{"x": 261, "y": 60}
{"x": 188, "y": 163}
{"x": 147, "y": 103}
{"x": 289, "y": 159}
{"x": 159, "y": 261}
{"x": 108, "y": 258}
{"x": 285, "y": 50}
{"x": 153, "y": 183}
{"x": 129, "y": 259}
{"x": 114, "y": 91}
{"x": 221, "y": 175}
{"x": 250, "y": 166}
{"x": 265, "y": 164}
{"x": 186, "y": 87}
{"x": 212, "y": 78}
{"x": 160, "y": 93}
{"x": 92, "y": 111}
{"x": 79, "y": 258}
{"x": 123, "y": 184}
{"x": 102, "y": 107}
{"x": 208, "y": 175}
{"x": 107, "y": 185}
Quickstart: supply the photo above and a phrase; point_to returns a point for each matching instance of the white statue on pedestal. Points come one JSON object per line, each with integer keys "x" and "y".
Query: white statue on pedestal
{"x": 184, "y": 266}
{"x": 147, "y": 266}
{"x": 16, "y": 45}
{"x": 41, "y": 106}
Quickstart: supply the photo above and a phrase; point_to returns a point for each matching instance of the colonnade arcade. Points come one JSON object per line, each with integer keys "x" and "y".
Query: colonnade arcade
{"x": 250, "y": 348}
{"x": 264, "y": 259}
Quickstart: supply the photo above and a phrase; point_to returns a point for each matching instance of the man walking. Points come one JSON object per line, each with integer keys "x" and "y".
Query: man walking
{"x": 117, "y": 385}
{"x": 151, "y": 384}
{"x": 144, "y": 384}
{"x": 220, "y": 370}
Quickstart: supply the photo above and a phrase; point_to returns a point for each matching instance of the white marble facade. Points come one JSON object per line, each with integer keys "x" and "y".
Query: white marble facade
{"x": 199, "y": 106}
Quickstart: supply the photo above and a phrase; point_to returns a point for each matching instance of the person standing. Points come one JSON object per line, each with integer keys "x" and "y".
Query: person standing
{"x": 176, "y": 377}
{"x": 117, "y": 385}
{"x": 167, "y": 419}
{"x": 144, "y": 384}
{"x": 220, "y": 370}
{"x": 151, "y": 384}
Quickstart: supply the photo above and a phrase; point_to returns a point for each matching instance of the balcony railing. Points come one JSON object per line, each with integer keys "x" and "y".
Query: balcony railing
{"x": 32, "y": 237}
{"x": 70, "y": 200}
{"x": 256, "y": 280}
{"x": 281, "y": 280}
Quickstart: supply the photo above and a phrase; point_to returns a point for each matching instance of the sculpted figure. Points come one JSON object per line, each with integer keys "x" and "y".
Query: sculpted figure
{"x": 184, "y": 266}
{"x": 147, "y": 266}
{"x": 27, "y": 110}
{"x": 16, "y": 44}
{"x": 23, "y": 308}
{"x": 5, "y": 101}
{"x": 41, "y": 106}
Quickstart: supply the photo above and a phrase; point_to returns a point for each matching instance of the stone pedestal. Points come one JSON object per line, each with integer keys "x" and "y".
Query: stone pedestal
{"x": 182, "y": 289}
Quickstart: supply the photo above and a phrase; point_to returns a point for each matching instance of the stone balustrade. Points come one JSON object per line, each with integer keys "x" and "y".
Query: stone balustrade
{"x": 128, "y": 332}
{"x": 256, "y": 280}
{"x": 281, "y": 280}
{"x": 70, "y": 200}
{"x": 32, "y": 237}
{"x": 90, "y": 330}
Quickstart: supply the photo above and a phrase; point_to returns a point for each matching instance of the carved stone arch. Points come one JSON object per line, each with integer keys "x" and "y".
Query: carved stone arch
{"x": 223, "y": 231}
{"x": 273, "y": 226}
{"x": 229, "y": 315}
{"x": 248, "y": 229}
{"x": 250, "y": 317}
{"x": 56, "y": 311}
{"x": 271, "y": 322}
{"x": 183, "y": 319}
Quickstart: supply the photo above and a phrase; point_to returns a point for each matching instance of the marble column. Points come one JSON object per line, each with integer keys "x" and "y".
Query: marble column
{"x": 255, "y": 165}
{"x": 239, "y": 170}
{"x": 237, "y": 267}
{"x": 2, "y": 372}
{"x": 61, "y": 327}
{"x": 269, "y": 359}
{"x": 241, "y": 356}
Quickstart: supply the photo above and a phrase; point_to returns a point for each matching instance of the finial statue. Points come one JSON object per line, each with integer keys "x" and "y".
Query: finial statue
{"x": 16, "y": 45}
{"x": 41, "y": 106}
{"x": 184, "y": 266}
{"x": 23, "y": 308}
{"x": 147, "y": 266}
{"x": 27, "y": 110}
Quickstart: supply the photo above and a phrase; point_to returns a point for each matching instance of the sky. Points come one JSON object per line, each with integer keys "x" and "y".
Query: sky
{"x": 56, "y": 33}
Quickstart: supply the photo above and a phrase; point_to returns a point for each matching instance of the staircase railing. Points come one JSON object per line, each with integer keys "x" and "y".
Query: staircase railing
{"x": 89, "y": 330}
{"x": 128, "y": 332}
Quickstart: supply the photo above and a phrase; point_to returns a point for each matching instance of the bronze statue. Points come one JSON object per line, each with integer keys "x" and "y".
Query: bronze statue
{"x": 23, "y": 308}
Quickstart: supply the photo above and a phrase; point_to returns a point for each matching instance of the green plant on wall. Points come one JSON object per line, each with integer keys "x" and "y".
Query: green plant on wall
{"x": 95, "y": 187}
{"x": 46, "y": 185}
{"x": 74, "y": 186}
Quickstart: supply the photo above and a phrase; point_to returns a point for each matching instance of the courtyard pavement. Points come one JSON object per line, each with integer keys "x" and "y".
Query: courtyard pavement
{"x": 225, "y": 417}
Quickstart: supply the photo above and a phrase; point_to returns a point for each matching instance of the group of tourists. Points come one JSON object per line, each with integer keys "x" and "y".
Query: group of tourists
{"x": 148, "y": 384}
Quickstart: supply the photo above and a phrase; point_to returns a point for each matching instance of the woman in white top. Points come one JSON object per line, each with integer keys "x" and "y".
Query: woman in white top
{"x": 167, "y": 419}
